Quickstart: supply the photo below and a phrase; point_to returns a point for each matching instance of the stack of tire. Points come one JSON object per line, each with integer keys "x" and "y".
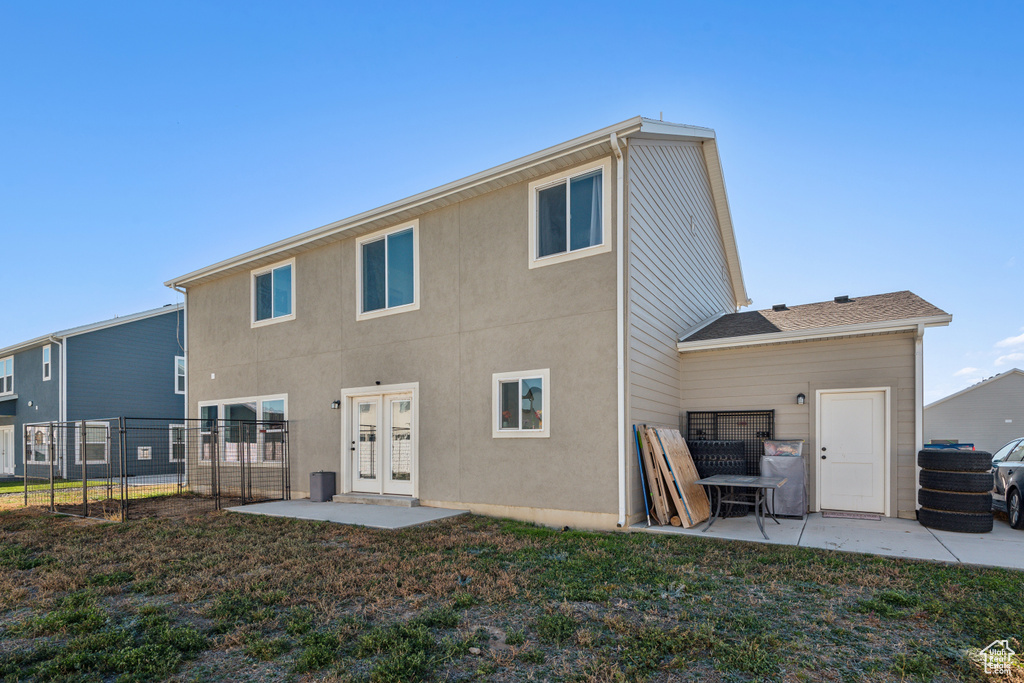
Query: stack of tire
{"x": 713, "y": 457}
{"x": 956, "y": 490}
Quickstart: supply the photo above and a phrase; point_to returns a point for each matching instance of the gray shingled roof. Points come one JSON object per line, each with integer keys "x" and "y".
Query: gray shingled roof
{"x": 866, "y": 309}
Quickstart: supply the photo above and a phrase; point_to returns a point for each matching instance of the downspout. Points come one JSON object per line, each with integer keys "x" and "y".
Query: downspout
{"x": 184, "y": 350}
{"x": 918, "y": 405}
{"x": 620, "y": 312}
{"x": 62, "y": 408}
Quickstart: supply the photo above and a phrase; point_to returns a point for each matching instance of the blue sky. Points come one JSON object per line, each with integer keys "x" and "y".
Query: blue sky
{"x": 867, "y": 147}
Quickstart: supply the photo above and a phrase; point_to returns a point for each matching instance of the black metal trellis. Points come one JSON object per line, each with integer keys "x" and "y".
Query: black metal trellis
{"x": 752, "y": 427}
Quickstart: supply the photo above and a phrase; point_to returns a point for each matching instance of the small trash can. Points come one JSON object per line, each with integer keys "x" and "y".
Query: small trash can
{"x": 322, "y": 486}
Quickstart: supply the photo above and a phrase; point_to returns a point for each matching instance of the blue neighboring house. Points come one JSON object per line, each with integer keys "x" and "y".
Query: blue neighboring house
{"x": 132, "y": 366}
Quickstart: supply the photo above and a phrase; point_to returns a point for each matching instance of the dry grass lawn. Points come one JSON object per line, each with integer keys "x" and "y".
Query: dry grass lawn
{"x": 249, "y": 598}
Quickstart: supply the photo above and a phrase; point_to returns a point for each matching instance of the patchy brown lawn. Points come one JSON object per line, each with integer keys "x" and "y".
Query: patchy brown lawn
{"x": 250, "y": 598}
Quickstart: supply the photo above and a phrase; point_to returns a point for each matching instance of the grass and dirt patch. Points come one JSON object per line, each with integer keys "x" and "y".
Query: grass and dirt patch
{"x": 249, "y": 598}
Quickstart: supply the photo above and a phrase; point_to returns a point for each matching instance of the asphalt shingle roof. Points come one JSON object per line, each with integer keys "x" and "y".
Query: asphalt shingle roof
{"x": 865, "y": 309}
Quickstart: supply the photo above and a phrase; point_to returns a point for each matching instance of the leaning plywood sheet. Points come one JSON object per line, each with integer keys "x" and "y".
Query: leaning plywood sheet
{"x": 690, "y": 498}
{"x": 655, "y": 483}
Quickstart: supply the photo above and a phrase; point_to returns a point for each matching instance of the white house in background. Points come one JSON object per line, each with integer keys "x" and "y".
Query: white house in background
{"x": 987, "y": 414}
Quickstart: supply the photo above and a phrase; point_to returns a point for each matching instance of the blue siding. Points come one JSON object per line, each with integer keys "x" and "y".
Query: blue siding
{"x": 29, "y": 386}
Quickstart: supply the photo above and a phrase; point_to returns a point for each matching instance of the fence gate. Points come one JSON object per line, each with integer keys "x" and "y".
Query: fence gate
{"x": 131, "y": 468}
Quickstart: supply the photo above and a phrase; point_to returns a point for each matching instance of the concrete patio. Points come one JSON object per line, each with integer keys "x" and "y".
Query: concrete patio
{"x": 376, "y": 516}
{"x": 1002, "y": 547}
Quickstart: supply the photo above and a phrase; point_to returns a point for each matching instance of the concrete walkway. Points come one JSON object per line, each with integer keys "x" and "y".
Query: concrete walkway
{"x": 1002, "y": 547}
{"x": 377, "y": 516}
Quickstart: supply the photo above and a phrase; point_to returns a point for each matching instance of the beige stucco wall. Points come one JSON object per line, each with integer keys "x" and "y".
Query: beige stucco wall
{"x": 482, "y": 311}
{"x": 771, "y": 376}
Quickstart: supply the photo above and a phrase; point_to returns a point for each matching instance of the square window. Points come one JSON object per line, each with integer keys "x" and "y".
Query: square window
{"x": 273, "y": 294}
{"x": 568, "y": 215}
{"x": 388, "y": 276}
{"x": 521, "y": 403}
{"x": 97, "y": 443}
{"x": 145, "y": 452}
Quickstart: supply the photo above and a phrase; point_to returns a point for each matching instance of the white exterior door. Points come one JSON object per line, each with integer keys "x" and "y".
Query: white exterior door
{"x": 382, "y": 447}
{"x": 852, "y": 451}
{"x": 7, "y": 450}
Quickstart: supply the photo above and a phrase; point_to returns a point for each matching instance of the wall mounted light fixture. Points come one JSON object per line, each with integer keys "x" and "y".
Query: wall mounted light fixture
{"x": 336, "y": 405}
{"x": 800, "y": 399}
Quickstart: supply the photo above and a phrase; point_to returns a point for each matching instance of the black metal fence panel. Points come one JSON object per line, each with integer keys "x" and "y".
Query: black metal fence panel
{"x": 752, "y": 427}
{"x": 132, "y": 468}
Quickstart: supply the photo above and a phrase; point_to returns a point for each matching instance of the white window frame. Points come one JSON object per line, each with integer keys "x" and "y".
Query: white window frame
{"x": 373, "y": 237}
{"x": 252, "y": 294}
{"x": 78, "y": 442}
{"x": 220, "y": 404}
{"x": 496, "y": 380}
{"x": 47, "y": 362}
{"x": 536, "y": 186}
{"x": 4, "y": 375}
{"x": 26, "y": 448}
{"x": 170, "y": 443}
{"x": 184, "y": 371}
{"x": 144, "y": 452}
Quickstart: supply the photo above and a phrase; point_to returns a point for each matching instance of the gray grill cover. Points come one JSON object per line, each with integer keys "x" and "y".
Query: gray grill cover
{"x": 791, "y": 499}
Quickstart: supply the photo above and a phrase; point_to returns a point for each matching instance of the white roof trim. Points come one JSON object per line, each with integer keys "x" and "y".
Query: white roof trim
{"x": 977, "y": 385}
{"x": 815, "y": 333}
{"x": 634, "y": 126}
{"x": 93, "y": 327}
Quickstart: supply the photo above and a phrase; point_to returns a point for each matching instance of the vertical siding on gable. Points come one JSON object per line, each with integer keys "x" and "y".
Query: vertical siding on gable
{"x": 677, "y": 269}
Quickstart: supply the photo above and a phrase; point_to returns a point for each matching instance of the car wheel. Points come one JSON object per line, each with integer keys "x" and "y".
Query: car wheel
{"x": 1013, "y": 509}
{"x": 955, "y": 461}
{"x": 963, "y": 522}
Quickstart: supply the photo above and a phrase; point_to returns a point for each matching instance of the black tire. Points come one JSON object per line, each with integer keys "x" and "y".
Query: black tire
{"x": 1015, "y": 512}
{"x": 955, "y": 461}
{"x": 962, "y": 522}
{"x": 955, "y": 502}
{"x": 959, "y": 482}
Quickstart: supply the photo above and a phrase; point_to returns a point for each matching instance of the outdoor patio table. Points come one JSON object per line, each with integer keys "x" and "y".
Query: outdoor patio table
{"x": 759, "y": 484}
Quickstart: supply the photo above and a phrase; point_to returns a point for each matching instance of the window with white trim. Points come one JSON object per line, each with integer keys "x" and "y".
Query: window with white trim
{"x": 569, "y": 215}
{"x": 37, "y": 444}
{"x": 273, "y": 293}
{"x": 7, "y": 375}
{"x": 521, "y": 402}
{"x": 387, "y": 271}
{"x": 179, "y": 374}
{"x": 46, "y": 363}
{"x": 145, "y": 452}
{"x": 97, "y": 443}
{"x": 248, "y": 430}
{"x": 176, "y": 437}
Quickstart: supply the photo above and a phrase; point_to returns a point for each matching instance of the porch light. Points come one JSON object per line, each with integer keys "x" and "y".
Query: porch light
{"x": 800, "y": 398}
{"x": 336, "y": 405}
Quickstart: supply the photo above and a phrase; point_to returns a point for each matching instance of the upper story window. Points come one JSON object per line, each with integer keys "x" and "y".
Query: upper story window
{"x": 46, "y": 363}
{"x": 387, "y": 268}
{"x": 179, "y": 374}
{"x": 7, "y": 375}
{"x": 569, "y": 215}
{"x": 273, "y": 293}
{"x": 521, "y": 404}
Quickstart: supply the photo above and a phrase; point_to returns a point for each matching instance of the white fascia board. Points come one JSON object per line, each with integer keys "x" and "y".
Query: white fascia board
{"x": 976, "y": 385}
{"x": 63, "y": 334}
{"x": 815, "y": 333}
{"x": 652, "y": 127}
{"x": 602, "y": 136}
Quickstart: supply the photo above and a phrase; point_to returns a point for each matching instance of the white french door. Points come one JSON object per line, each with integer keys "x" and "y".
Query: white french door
{"x": 7, "y": 450}
{"x": 382, "y": 444}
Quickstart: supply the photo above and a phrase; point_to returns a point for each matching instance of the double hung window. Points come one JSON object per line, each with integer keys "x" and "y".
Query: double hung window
{"x": 46, "y": 363}
{"x": 97, "y": 443}
{"x": 7, "y": 375}
{"x": 387, "y": 264}
{"x": 273, "y": 293}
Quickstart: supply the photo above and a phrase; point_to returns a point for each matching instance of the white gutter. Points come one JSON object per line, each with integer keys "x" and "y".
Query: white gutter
{"x": 62, "y": 406}
{"x": 815, "y": 333}
{"x": 620, "y": 326}
{"x": 918, "y": 404}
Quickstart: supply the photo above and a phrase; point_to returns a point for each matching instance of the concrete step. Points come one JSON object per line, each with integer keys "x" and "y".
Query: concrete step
{"x": 371, "y": 499}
